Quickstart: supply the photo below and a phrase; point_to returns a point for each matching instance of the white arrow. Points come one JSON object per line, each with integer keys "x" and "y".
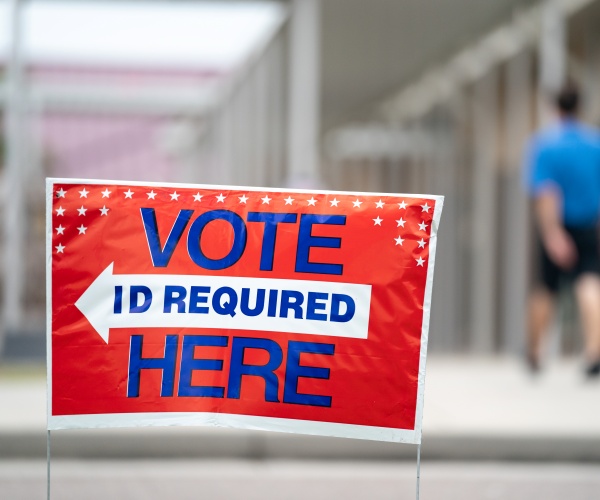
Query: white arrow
{"x": 221, "y": 303}
{"x": 96, "y": 304}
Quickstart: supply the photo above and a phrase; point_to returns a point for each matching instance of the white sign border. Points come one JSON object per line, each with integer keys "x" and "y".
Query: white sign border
{"x": 311, "y": 427}
{"x": 176, "y": 419}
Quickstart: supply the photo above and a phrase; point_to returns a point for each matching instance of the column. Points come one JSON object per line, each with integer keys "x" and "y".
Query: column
{"x": 304, "y": 90}
{"x": 516, "y": 228}
{"x": 444, "y": 332}
{"x": 552, "y": 55}
{"x": 14, "y": 205}
{"x": 483, "y": 227}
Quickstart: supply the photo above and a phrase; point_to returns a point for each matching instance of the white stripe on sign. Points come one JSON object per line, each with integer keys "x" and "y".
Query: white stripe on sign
{"x": 194, "y": 301}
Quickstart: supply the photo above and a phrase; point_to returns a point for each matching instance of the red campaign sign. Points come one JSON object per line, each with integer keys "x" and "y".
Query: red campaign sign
{"x": 297, "y": 311}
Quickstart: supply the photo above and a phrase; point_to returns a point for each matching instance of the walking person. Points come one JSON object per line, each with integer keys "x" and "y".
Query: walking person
{"x": 563, "y": 167}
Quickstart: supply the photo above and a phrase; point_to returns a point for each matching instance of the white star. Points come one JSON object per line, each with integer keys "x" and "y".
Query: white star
{"x": 289, "y": 200}
{"x": 423, "y": 226}
{"x": 60, "y": 230}
{"x": 357, "y": 203}
{"x": 400, "y": 222}
{"x": 103, "y": 211}
{"x": 421, "y": 243}
{"x": 220, "y": 198}
{"x": 334, "y": 202}
{"x": 378, "y": 221}
{"x": 61, "y": 193}
{"x": 312, "y": 201}
{"x": 82, "y": 210}
{"x": 60, "y": 248}
{"x": 175, "y": 196}
{"x": 128, "y": 194}
{"x": 83, "y": 193}
{"x": 425, "y": 207}
{"x": 379, "y": 203}
{"x": 402, "y": 205}
{"x": 82, "y": 229}
{"x": 243, "y": 199}
{"x": 399, "y": 240}
{"x": 60, "y": 211}
{"x": 197, "y": 197}
{"x": 151, "y": 195}
{"x": 420, "y": 261}
{"x": 106, "y": 193}
{"x": 266, "y": 200}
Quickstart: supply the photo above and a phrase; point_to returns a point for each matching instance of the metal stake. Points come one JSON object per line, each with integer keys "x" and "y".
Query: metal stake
{"x": 418, "y": 468}
{"x": 48, "y": 465}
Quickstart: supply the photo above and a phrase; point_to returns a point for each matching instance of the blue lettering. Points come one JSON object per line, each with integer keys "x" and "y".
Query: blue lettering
{"x": 196, "y": 299}
{"x": 294, "y": 371}
{"x": 306, "y": 241}
{"x": 245, "y": 302}
{"x": 239, "y": 239}
{"x": 134, "y": 293}
{"x": 118, "y": 307}
{"x": 174, "y": 295}
{"x": 313, "y": 306}
{"x": 272, "y": 310}
{"x": 291, "y": 299}
{"x": 336, "y": 300}
{"x": 227, "y": 307}
{"x": 161, "y": 257}
{"x": 137, "y": 363}
{"x": 189, "y": 364}
{"x": 239, "y": 367}
{"x": 270, "y": 235}
{"x": 267, "y": 371}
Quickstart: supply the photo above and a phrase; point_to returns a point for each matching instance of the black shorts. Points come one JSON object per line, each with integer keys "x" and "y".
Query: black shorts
{"x": 588, "y": 259}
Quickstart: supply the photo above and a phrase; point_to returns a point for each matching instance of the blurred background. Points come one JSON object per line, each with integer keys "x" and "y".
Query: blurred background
{"x": 394, "y": 96}
{"x": 408, "y": 96}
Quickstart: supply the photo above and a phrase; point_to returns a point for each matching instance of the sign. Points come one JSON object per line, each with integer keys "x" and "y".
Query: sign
{"x": 295, "y": 311}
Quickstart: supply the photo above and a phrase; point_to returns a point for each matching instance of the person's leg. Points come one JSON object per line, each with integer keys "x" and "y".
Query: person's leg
{"x": 541, "y": 307}
{"x": 587, "y": 293}
{"x": 541, "y": 310}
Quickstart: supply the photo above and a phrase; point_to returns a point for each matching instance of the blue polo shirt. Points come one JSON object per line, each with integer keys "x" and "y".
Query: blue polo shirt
{"x": 566, "y": 158}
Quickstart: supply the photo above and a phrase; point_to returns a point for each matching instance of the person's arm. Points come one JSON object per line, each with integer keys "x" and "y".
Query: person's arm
{"x": 556, "y": 240}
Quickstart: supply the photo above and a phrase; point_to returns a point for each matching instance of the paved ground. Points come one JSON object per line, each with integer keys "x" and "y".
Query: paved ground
{"x": 475, "y": 408}
{"x": 301, "y": 480}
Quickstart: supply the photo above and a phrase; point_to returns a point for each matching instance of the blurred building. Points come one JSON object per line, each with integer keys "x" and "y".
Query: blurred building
{"x": 477, "y": 79}
{"x": 154, "y": 91}
{"x": 386, "y": 95}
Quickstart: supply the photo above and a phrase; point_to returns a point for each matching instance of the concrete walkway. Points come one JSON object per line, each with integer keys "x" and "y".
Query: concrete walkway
{"x": 475, "y": 408}
{"x": 191, "y": 479}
